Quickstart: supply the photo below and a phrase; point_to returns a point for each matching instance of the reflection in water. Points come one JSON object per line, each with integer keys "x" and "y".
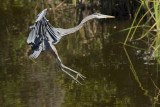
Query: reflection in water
{"x": 94, "y": 51}
{"x": 135, "y": 74}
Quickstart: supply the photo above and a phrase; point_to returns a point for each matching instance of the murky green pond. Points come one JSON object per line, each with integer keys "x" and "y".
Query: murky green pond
{"x": 116, "y": 76}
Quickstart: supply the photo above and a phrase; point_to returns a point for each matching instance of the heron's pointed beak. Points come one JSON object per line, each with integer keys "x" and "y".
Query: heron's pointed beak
{"x": 108, "y": 16}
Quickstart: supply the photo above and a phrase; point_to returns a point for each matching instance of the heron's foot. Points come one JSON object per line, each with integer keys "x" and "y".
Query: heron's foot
{"x": 76, "y": 81}
{"x": 80, "y": 75}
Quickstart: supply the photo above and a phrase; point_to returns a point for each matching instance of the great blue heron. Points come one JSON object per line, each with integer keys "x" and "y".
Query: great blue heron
{"x": 43, "y": 37}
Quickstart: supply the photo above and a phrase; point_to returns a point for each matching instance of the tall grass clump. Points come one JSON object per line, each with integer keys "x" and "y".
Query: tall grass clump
{"x": 150, "y": 26}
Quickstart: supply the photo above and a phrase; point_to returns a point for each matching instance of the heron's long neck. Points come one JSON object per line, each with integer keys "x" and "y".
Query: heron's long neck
{"x": 72, "y": 30}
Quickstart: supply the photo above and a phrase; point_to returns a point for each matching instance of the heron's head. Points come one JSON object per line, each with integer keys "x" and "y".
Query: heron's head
{"x": 100, "y": 16}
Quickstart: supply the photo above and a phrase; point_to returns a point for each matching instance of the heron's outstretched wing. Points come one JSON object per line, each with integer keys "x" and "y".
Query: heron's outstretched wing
{"x": 41, "y": 33}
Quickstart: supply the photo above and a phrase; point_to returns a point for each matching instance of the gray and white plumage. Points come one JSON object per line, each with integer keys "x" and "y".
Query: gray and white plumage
{"x": 43, "y": 37}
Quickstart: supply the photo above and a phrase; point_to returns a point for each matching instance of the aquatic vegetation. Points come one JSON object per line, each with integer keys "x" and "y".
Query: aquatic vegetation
{"x": 150, "y": 21}
{"x": 147, "y": 19}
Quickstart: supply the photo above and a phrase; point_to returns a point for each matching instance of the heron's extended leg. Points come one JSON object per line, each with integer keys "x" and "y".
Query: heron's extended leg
{"x": 78, "y": 74}
{"x": 67, "y": 72}
{"x": 61, "y": 66}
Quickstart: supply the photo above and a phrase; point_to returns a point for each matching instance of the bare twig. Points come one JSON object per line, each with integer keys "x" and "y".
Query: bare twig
{"x": 59, "y": 5}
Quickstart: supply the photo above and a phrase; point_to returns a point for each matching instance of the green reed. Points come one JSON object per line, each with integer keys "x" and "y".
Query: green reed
{"x": 152, "y": 13}
{"x": 157, "y": 21}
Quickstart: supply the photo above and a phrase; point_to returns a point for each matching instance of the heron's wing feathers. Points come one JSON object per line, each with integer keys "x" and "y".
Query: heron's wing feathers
{"x": 41, "y": 15}
{"x": 31, "y": 37}
{"x": 38, "y": 28}
{"x": 36, "y": 52}
{"x": 51, "y": 34}
{"x": 42, "y": 33}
